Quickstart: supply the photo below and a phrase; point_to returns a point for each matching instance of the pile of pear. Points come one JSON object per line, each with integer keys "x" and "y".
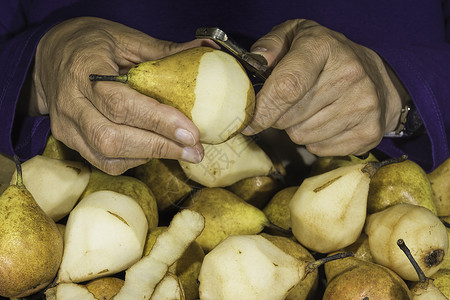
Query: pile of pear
{"x": 235, "y": 226}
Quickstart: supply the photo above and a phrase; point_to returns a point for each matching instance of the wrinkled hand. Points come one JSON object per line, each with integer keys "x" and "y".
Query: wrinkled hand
{"x": 112, "y": 126}
{"x": 328, "y": 93}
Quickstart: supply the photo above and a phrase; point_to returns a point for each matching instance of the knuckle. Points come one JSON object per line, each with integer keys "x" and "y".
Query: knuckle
{"x": 107, "y": 140}
{"x": 115, "y": 107}
{"x": 288, "y": 87}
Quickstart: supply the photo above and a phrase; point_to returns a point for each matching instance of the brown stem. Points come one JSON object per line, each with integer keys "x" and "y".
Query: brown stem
{"x": 19, "y": 177}
{"x": 117, "y": 78}
{"x": 446, "y": 224}
{"x": 278, "y": 228}
{"x": 372, "y": 167}
{"x": 313, "y": 265}
{"x": 401, "y": 244}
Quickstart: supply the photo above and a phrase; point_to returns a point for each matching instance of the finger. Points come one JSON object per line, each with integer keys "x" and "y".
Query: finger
{"x": 292, "y": 78}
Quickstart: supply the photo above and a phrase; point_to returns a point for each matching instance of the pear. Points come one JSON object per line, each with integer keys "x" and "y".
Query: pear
{"x": 105, "y": 234}
{"x": 423, "y": 289}
{"x": 166, "y": 180}
{"x": 125, "y": 185}
{"x": 169, "y": 288}
{"x": 7, "y": 170}
{"x": 31, "y": 246}
{"x": 209, "y": 86}
{"x": 186, "y": 268}
{"x": 439, "y": 179}
{"x": 328, "y": 210}
{"x": 69, "y": 291}
{"x": 446, "y": 262}
{"x": 55, "y": 184}
{"x": 105, "y": 288}
{"x": 354, "y": 278}
{"x": 252, "y": 267}
{"x": 226, "y": 163}
{"x": 327, "y": 163}
{"x": 404, "y": 182}
{"x": 58, "y": 150}
{"x": 441, "y": 279}
{"x": 422, "y": 230}
{"x": 277, "y": 210}
{"x": 256, "y": 190}
{"x": 308, "y": 287}
{"x": 225, "y": 214}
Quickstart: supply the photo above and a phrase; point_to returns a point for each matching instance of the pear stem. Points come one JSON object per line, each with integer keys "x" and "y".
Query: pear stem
{"x": 19, "y": 177}
{"x": 401, "y": 244}
{"x": 372, "y": 167}
{"x": 313, "y": 265}
{"x": 278, "y": 228}
{"x": 117, "y": 78}
{"x": 446, "y": 224}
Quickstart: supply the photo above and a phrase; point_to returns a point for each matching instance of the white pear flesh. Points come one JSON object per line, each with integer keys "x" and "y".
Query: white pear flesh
{"x": 226, "y": 163}
{"x": 105, "y": 234}
{"x": 231, "y": 97}
{"x": 422, "y": 231}
{"x": 328, "y": 211}
{"x": 169, "y": 288}
{"x": 142, "y": 278}
{"x": 69, "y": 291}
{"x": 55, "y": 184}
{"x": 248, "y": 267}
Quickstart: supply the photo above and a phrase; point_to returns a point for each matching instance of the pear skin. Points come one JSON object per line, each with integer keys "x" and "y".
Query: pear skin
{"x": 128, "y": 186}
{"x": 31, "y": 245}
{"x": 166, "y": 180}
{"x": 441, "y": 280}
{"x": 105, "y": 288}
{"x": 277, "y": 210}
{"x": 327, "y": 163}
{"x": 439, "y": 179}
{"x": 256, "y": 190}
{"x": 365, "y": 280}
{"x": 57, "y": 149}
{"x": 404, "y": 182}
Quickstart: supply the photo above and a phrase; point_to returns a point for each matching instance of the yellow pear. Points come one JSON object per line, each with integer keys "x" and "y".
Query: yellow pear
{"x": 58, "y": 150}
{"x": 256, "y": 190}
{"x": 327, "y": 163}
{"x": 6, "y": 171}
{"x": 225, "y": 214}
{"x": 31, "y": 246}
{"x": 440, "y": 179}
{"x": 441, "y": 280}
{"x": 104, "y": 288}
{"x": 128, "y": 186}
{"x": 277, "y": 210}
{"x": 209, "y": 86}
{"x": 404, "y": 182}
{"x": 166, "y": 180}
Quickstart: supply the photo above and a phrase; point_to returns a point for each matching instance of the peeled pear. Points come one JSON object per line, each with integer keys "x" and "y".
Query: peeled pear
{"x": 166, "y": 180}
{"x": 55, "y": 184}
{"x": 208, "y": 85}
{"x": 251, "y": 267}
{"x": 31, "y": 246}
{"x": 225, "y": 214}
{"x": 439, "y": 179}
{"x": 307, "y": 288}
{"x": 69, "y": 291}
{"x": 424, "y": 289}
{"x": 169, "y": 288}
{"x": 328, "y": 210}
{"x": 421, "y": 230}
{"x": 105, "y": 234}
{"x": 126, "y": 185}
{"x": 404, "y": 182}
{"x": 227, "y": 163}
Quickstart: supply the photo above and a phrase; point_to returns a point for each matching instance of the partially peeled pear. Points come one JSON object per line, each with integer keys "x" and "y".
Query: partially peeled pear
{"x": 208, "y": 85}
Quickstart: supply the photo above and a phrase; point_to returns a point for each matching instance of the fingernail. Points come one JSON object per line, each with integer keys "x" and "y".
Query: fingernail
{"x": 185, "y": 137}
{"x": 248, "y": 131}
{"x": 258, "y": 50}
{"x": 191, "y": 155}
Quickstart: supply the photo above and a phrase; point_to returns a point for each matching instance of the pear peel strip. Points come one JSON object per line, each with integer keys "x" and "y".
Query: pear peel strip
{"x": 142, "y": 278}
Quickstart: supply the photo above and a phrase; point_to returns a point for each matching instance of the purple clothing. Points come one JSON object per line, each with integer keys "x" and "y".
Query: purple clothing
{"x": 411, "y": 35}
